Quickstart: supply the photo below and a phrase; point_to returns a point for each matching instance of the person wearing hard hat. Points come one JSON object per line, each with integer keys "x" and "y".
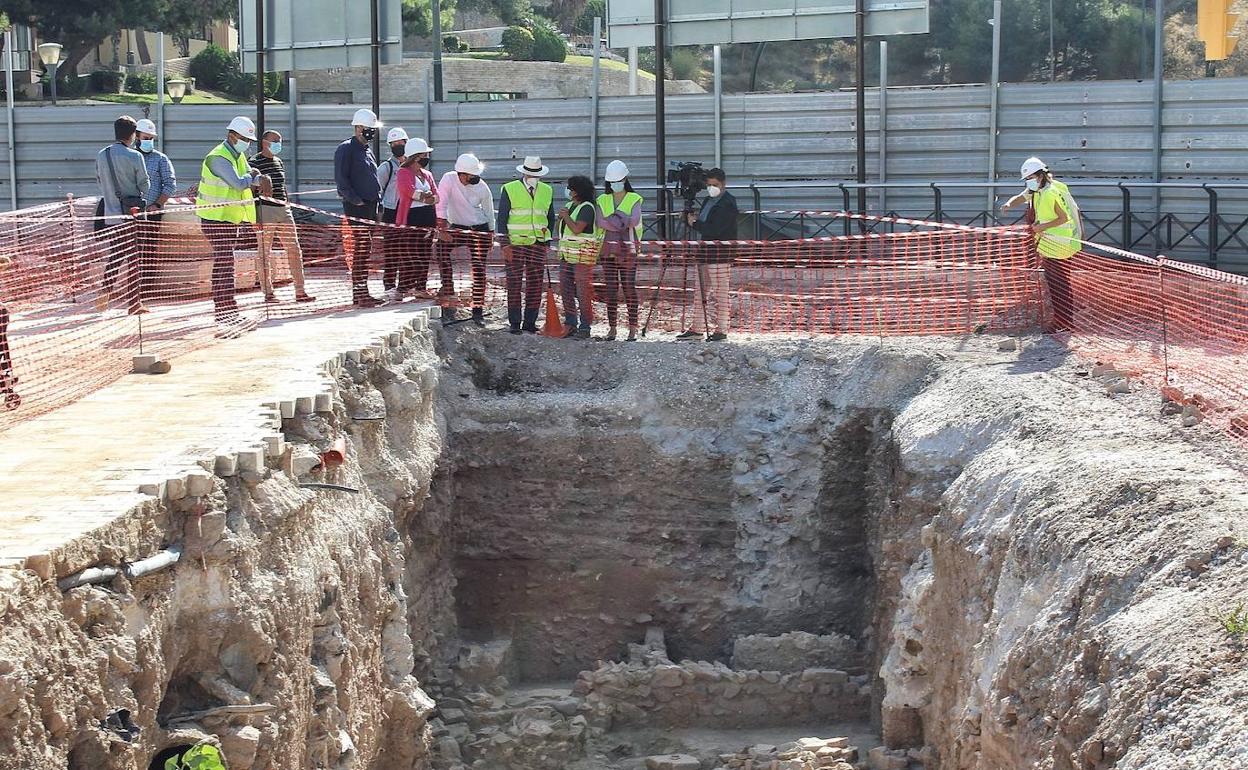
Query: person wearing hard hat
{"x": 465, "y": 217}
{"x": 526, "y": 218}
{"x": 276, "y": 220}
{"x": 387, "y": 176}
{"x": 618, "y": 218}
{"x": 1054, "y": 216}
{"x": 417, "y": 213}
{"x": 226, "y": 205}
{"x": 579, "y": 245}
{"x": 163, "y": 184}
{"x": 355, "y": 174}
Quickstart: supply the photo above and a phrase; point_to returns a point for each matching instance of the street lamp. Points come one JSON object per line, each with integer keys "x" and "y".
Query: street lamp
{"x": 176, "y": 90}
{"x": 50, "y": 55}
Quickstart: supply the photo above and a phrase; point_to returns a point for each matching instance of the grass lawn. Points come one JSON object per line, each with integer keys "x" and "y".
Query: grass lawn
{"x": 609, "y": 64}
{"x": 476, "y": 55}
{"x": 199, "y": 97}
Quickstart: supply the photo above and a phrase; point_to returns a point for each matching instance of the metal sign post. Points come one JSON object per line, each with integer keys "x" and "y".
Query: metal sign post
{"x": 660, "y": 118}
{"x": 260, "y": 71}
{"x": 319, "y": 34}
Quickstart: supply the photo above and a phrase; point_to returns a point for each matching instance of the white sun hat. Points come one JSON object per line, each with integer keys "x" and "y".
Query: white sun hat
{"x": 533, "y": 166}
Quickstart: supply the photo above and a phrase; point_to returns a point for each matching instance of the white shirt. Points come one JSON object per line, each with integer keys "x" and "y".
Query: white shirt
{"x": 422, "y": 186}
{"x": 465, "y": 205}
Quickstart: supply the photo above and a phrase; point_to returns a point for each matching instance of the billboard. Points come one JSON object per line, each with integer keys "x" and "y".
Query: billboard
{"x": 320, "y": 34}
{"x": 711, "y": 22}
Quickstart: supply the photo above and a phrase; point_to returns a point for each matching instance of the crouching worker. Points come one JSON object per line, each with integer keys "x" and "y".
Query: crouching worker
{"x": 578, "y": 253}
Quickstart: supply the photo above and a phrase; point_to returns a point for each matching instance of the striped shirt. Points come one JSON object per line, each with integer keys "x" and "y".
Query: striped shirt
{"x": 160, "y": 175}
{"x": 276, "y": 172}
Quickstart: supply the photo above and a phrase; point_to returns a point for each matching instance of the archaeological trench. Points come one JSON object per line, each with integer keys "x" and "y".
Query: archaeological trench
{"x": 768, "y": 554}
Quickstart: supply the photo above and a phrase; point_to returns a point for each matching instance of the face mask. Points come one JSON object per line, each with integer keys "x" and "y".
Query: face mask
{"x": 567, "y": 195}
{"x": 369, "y": 134}
{"x": 714, "y": 190}
{"x": 275, "y": 148}
{"x": 241, "y": 146}
{"x": 474, "y": 180}
{"x": 398, "y": 149}
{"x": 147, "y": 145}
{"x": 1033, "y": 184}
{"x": 424, "y": 162}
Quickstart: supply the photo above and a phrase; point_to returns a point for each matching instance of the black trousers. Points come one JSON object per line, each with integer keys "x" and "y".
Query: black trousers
{"x": 478, "y": 239}
{"x": 362, "y": 236}
{"x": 524, "y": 283}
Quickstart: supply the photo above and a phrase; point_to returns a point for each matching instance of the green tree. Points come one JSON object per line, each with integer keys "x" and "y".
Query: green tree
{"x": 584, "y": 24}
{"x": 548, "y": 45}
{"x": 518, "y": 43}
{"x": 418, "y": 17}
{"x": 81, "y": 25}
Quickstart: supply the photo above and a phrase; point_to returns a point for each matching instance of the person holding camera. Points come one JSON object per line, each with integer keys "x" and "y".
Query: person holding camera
{"x": 716, "y": 224}
{"x": 618, "y": 217}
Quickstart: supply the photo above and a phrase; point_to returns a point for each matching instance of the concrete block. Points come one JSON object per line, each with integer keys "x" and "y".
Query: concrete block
{"x": 251, "y": 460}
{"x": 353, "y": 356}
{"x": 287, "y": 409}
{"x": 274, "y": 446}
{"x": 198, "y": 484}
{"x": 324, "y": 402}
{"x": 226, "y": 465}
{"x": 154, "y": 488}
{"x": 304, "y": 404}
{"x": 40, "y": 564}
{"x": 673, "y": 762}
{"x": 141, "y": 364}
{"x": 175, "y": 488}
{"x": 434, "y": 312}
{"x": 396, "y": 339}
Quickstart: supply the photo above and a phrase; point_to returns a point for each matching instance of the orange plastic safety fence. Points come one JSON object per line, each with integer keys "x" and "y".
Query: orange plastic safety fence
{"x": 81, "y": 296}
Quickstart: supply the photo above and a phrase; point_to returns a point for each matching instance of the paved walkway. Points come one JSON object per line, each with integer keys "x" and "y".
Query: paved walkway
{"x": 69, "y": 472}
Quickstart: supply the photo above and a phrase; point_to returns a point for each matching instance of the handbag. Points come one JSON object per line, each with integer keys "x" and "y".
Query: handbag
{"x": 127, "y": 202}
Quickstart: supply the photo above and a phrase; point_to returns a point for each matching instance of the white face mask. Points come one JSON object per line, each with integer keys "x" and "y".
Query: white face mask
{"x": 714, "y": 190}
{"x": 241, "y": 146}
{"x": 1033, "y": 184}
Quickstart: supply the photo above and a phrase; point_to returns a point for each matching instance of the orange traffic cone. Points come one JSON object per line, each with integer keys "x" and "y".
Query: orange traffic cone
{"x": 553, "y": 326}
{"x": 348, "y": 244}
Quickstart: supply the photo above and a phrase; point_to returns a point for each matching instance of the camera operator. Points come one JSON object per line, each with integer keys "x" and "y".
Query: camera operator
{"x": 715, "y": 222}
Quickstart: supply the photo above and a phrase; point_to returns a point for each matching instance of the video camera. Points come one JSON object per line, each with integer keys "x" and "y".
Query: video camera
{"x": 689, "y": 178}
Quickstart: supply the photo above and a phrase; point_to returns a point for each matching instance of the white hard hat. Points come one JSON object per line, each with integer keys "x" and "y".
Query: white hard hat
{"x": 1031, "y": 166}
{"x": 365, "y": 117}
{"x": 243, "y": 127}
{"x": 396, "y": 135}
{"x": 468, "y": 164}
{"x": 616, "y": 171}
{"x": 146, "y": 126}
{"x": 415, "y": 147}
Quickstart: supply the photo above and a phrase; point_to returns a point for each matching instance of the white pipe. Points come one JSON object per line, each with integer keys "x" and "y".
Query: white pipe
{"x": 160, "y": 90}
{"x": 133, "y": 570}
{"x": 719, "y": 108}
{"x": 632, "y": 70}
{"x": 8, "y": 82}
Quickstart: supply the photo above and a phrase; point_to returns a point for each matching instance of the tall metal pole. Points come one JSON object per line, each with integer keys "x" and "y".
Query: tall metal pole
{"x": 883, "y": 125}
{"x": 632, "y": 70}
{"x": 994, "y": 105}
{"x": 1143, "y": 37}
{"x": 593, "y": 98}
{"x": 292, "y": 168}
{"x": 860, "y": 95}
{"x": 436, "y": 8}
{"x": 160, "y": 90}
{"x": 1159, "y": 56}
{"x": 375, "y": 64}
{"x": 8, "y": 90}
{"x": 260, "y": 71}
{"x": 660, "y": 121}
{"x": 719, "y": 106}
{"x": 1052, "y": 49}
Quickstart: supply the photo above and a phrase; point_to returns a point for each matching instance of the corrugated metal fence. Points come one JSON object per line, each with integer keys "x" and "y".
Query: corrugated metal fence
{"x": 1097, "y": 133}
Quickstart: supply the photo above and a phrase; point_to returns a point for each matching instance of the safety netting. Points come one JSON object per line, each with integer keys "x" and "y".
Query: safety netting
{"x": 81, "y": 296}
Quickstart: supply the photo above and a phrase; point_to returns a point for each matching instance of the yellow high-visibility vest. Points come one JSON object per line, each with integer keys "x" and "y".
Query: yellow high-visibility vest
{"x": 1060, "y": 242}
{"x": 606, "y": 204}
{"x": 582, "y": 248}
{"x": 527, "y": 221}
{"x": 213, "y": 190}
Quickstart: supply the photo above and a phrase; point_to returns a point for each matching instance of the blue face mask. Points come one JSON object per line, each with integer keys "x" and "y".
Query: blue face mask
{"x": 147, "y": 145}
{"x": 241, "y": 146}
{"x": 1033, "y": 184}
{"x": 275, "y": 148}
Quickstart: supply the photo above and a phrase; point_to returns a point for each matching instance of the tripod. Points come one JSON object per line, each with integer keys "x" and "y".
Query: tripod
{"x": 681, "y": 233}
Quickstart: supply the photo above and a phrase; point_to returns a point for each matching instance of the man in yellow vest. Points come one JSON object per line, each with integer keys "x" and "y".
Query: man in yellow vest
{"x": 1054, "y": 216}
{"x": 526, "y": 218}
{"x": 226, "y": 205}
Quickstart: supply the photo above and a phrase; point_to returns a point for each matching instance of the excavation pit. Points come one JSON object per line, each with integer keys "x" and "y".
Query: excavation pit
{"x": 772, "y": 553}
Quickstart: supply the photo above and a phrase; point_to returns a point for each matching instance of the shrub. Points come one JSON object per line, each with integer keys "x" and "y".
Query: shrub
{"x": 450, "y": 43}
{"x": 464, "y": 47}
{"x": 107, "y": 81}
{"x": 518, "y": 43}
{"x": 142, "y": 83}
{"x": 243, "y": 85}
{"x": 213, "y": 67}
{"x": 548, "y": 44}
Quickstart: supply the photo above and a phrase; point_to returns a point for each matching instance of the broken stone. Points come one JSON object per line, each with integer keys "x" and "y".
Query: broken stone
{"x": 673, "y": 762}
